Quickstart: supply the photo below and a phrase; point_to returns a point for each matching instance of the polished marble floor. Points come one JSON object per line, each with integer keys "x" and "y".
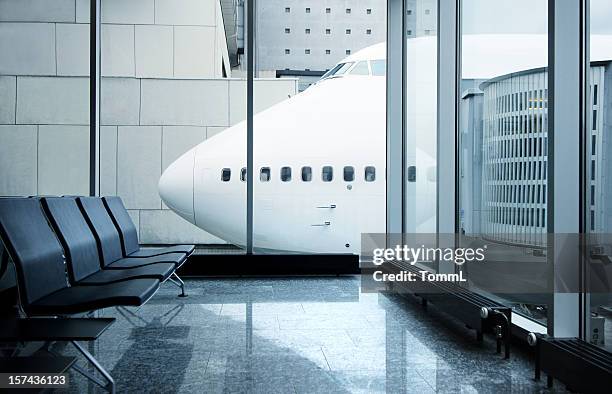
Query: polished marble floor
{"x": 300, "y": 335}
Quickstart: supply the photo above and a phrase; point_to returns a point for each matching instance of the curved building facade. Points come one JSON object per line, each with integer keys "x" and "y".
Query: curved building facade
{"x": 514, "y": 170}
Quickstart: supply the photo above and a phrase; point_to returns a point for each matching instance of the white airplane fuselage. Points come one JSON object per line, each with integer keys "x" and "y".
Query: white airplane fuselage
{"x": 338, "y": 122}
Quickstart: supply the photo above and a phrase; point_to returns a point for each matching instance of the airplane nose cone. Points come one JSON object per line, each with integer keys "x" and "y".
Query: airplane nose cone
{"x": 176, "y": 186}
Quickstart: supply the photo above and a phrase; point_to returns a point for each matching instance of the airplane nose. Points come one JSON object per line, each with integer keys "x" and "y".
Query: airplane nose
{"x": 176, "y": 186}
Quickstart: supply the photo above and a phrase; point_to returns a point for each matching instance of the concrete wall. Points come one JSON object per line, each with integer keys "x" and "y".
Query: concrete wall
{"x": 162, "y": 93}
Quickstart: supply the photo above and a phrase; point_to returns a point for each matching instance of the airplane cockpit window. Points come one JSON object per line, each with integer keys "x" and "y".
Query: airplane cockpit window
{"x": 285, "y": 174}
{"x": 243, "y": 174}
{"x": 306, "y": 174}
{"x": 264, "y": 175}
{"x": 379, "y": 67}
{"x": 360, "y": 68}
{"x": 226, "y": 174}
{"x": 370, "y": 174}
{"x": 327, "y": 174}
{"x": 349, "y": 174}
{"x": 338, "y": 69}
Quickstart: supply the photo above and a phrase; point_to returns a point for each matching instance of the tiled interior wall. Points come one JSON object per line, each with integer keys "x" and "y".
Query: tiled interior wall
{"x": 162, "y": 93}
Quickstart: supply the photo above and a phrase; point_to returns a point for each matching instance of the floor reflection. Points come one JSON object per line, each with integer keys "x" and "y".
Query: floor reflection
{"x": 309, "y": 335}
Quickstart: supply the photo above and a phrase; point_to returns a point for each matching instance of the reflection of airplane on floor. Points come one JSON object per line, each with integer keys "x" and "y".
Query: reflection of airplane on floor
{"x": 319, "y": 157}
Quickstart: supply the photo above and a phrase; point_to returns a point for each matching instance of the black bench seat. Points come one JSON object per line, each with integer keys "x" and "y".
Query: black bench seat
{"x": 129, "y": 236}
{"x": 39, "y": 263}
{"x": 80, "y": 247}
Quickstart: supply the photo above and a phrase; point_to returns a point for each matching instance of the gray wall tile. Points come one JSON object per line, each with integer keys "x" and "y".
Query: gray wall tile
{"x": 27, "y": 48}
{"x": 108, "y": 160}
{"x": 53, "y": 100}
{"x": 120, "y": 104}
{"x": 7, "y": 99}
{"x": 154, "y": 51}
{"x": 37, "y": 10}
{"x": 132, "y": 11}
{"x": 185, "y": 12}
{"x": 18, "y": 172}
{"x": 63, "y": 160}
{"x": 72, "y": 49}
{"x": 118, "y": 50}
{"x": 185, "y": 102}
{"x": 139, "y": 166}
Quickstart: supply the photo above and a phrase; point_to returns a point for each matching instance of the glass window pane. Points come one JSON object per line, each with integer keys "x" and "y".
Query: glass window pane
{"x": 597, "y": 210}
{"x": 360, "y": 68}
{"x": 327, "y": 173}
{"x": 306, "y": 174}
{"x": 370, "y": 174}
{"x": 502, "y": 150}
{"x": 226, "y": 174}
{"x": 286, "y": 174}
{"x": 379, "y": 68}
{"x": 243, "y": 174}
{"x": 264, "y": 175}
{"x": 349, "y": 174}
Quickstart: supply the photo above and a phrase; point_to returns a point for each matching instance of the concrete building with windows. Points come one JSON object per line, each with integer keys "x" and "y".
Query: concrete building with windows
{"x": 165, "y": 87}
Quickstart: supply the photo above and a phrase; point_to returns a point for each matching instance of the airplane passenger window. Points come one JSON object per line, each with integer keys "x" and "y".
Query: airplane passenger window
{"x": 243, "y": 174}
{"x": 264, "y": 175}
{"x": 226, "y": 174}
{"x": 361, "y": 68}
{"x": 327, "y": 174}
{"x": 370, "y": 174}
{"x": 306, "y": 174}
{"x": 379, "y": 68}
{"x": 349, "y": 174}
{"x": 285, "y": 174}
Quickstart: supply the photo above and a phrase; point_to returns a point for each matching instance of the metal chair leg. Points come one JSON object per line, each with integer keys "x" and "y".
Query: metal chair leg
{"x": 110, "y": 386}
{"x": 178, "y": 282}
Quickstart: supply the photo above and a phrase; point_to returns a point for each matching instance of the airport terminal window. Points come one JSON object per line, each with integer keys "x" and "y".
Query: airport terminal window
{"x": 226, "y": 174}
{"x": 361, "y": 68}
{"x": 306, "y": 174}
{"x": 349, "y": 174}
{"x": 370, "y": 174}
{"x": 327, "y": 173}
{"x": 379, "y": 68}
{"x": 264, "y": 175}
{"x": 243, "y": 174}
{"x": 285, "y": 174}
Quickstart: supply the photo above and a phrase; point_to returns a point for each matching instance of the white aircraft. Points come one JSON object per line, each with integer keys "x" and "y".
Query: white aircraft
{"x": 319, "y": 157}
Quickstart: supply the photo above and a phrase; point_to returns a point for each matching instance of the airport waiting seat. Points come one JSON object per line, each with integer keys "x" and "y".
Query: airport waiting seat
{"x": 80, "y": 248}
{"x": 129, "y": 235}
{"x": 39, "y": 263}
{"x": 109, "y": 243}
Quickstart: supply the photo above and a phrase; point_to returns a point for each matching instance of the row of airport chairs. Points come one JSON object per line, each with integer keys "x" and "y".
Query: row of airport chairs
{"x": 77, "y": 255}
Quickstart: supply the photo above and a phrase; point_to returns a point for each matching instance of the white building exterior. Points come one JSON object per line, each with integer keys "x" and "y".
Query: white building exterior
{"x": 163, "y": 91}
